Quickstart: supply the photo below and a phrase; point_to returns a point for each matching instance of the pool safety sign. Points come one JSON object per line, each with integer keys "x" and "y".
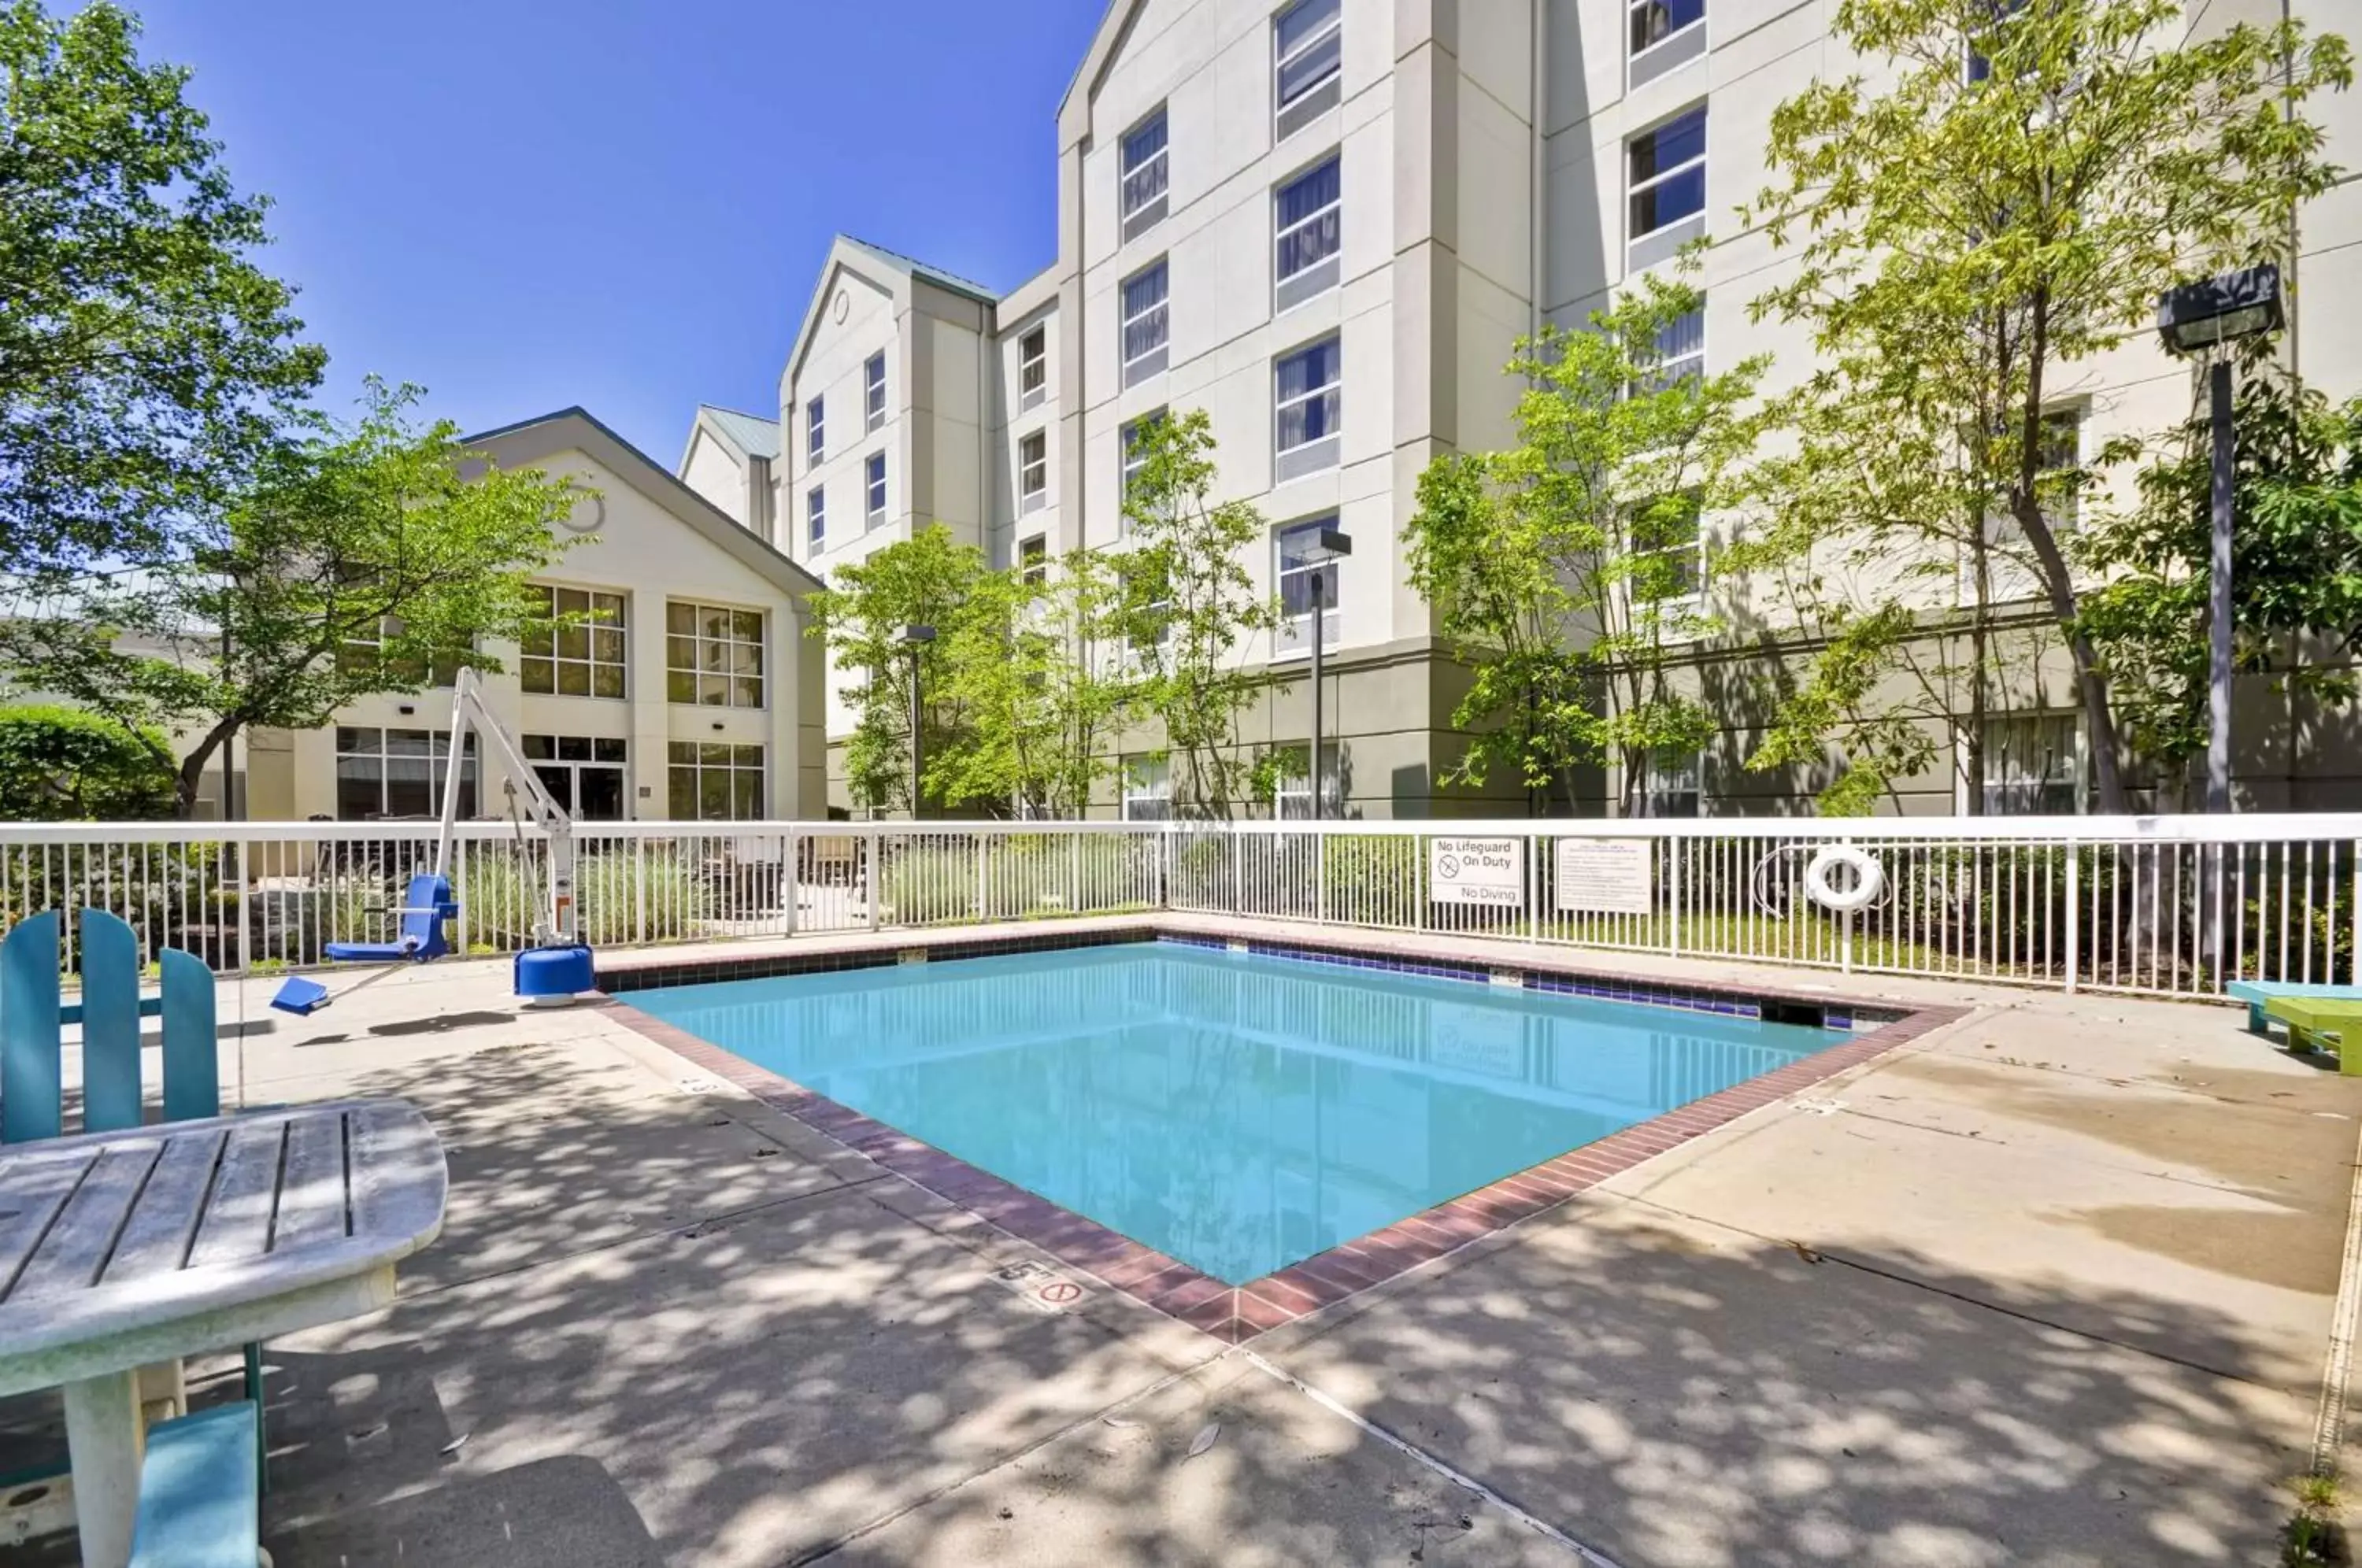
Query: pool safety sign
{"x": 1602, "y": 875}
{"x": 1476, "y": 871}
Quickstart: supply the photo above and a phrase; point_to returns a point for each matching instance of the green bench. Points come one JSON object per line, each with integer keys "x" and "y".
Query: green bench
{"x": 2258, "y": 994}
{"x": 200, "y": 1506}
{"x": 2313, "y": 1019}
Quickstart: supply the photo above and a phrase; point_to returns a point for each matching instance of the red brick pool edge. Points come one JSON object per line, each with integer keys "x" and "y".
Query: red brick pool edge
{"x": 1235, "y": 1314}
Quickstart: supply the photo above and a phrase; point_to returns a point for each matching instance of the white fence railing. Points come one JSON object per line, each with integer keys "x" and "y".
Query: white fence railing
{"x": 2175, "y": 906}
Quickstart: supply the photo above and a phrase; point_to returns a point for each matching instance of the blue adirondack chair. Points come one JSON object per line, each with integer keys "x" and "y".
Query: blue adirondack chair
{"x": 32, "y": 1043}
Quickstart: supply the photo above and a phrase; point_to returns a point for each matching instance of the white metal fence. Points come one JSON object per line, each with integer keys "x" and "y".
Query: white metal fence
{"x": 2173, "y": 906}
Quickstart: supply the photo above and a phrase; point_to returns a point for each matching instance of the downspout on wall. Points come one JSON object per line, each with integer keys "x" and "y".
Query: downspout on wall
{"x": 1538, "y": 218}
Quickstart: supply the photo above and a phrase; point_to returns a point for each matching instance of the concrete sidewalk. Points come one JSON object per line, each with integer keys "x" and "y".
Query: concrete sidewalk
{"x": 2051, "y": 1286}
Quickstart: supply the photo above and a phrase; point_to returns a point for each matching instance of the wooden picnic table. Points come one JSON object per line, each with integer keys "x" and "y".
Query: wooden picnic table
{"x": 122, "y": 1249}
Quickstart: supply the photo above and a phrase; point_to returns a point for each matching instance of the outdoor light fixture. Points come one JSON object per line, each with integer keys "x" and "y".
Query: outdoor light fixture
{"x": 2216, "y": 310}
{"x": 915, "y": 637}
{"x": 2192, "y": 319}
{"x": 1329, "y": 544}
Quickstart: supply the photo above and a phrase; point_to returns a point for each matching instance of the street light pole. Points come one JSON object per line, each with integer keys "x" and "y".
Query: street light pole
{"x": 2218, "y": 630}
{"x": 1320, "y": 806}
{"x": 2208, "y": 316}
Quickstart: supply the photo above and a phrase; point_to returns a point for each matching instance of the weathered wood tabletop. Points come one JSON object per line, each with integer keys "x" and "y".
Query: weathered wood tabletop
{"x": 122, "y": 1249}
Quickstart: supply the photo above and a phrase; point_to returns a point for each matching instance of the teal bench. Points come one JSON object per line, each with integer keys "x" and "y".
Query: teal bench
{"x": 2257, "y": 994}
{"x": 200, "y": 1506}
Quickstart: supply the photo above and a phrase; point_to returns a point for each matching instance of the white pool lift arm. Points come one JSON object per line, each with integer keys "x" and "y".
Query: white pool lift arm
{"x": 554, "y": 926}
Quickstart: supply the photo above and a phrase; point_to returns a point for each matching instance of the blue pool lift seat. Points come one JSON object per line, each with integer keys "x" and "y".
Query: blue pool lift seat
{"x": 428, "y": 908}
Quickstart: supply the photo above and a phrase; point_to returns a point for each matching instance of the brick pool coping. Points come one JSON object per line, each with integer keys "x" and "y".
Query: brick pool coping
{"x": 1235, "y": 1314}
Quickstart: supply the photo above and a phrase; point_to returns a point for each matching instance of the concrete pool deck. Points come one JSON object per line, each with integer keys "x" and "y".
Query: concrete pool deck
{"x": 2051, "y": 1284}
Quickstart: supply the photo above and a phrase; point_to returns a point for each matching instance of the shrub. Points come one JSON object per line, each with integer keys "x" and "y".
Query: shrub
{"x": 619, "y": 897}
{"x": 63, "y": 764}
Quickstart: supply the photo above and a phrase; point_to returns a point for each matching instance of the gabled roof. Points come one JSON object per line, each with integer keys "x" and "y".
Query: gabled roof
{"x": 933, "y": 274}
{"x": 751, "y": 434}
{"x": 546, "y": 436}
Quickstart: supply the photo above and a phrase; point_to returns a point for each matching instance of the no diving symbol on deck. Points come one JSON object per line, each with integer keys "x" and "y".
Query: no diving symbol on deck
{"x": 1058, "y": 1292}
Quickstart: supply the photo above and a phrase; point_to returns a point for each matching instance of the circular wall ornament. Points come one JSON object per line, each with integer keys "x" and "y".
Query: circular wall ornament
{"x": 587, "y": 514}
{"x": 842, "y": 307}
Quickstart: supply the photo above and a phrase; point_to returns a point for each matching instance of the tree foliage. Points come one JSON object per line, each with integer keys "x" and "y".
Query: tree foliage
{"x": 64, "y": 765}
{"x": 1191, "y": 611}
{"x": 2296, "y": 567}
{"x": 1965, "y": 240}
{"x": 928, "y": 580}
{"x": 360, "y": 561}
{"x": 1566, "y": 572}
{"x": 146, "y": 362}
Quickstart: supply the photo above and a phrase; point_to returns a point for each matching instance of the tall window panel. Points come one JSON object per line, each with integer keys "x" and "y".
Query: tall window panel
{"x": 1307, "y": 388}
{"x": 873, "y": 484}
{"x": 1032, "y": 471}
{"x": 1664, "y": 34}
{"x": 872, "y": 390}
{"x": 1144, "y": 324}
{"x": 1306, "y": 220}
{"x": 713, "y": 782}
{"x": 1665, "y": 169}
{"x": 576, "y": 646}
{"x": 713, "y": 655}
{"x": 816, "y": 429}
{"x": 583, "y": 773}
{"x": 399, "y": 773}
{"x": 1307, "y": 43}
{"x": 1143, "y": 175}
{"x": 1032, "y": 367}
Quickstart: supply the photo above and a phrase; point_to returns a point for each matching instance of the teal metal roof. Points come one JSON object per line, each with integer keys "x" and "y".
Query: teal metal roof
{"x": 756, "y": 435}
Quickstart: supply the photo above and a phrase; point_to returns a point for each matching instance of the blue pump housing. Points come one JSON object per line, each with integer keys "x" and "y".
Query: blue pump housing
{"x": 555, "y": 972}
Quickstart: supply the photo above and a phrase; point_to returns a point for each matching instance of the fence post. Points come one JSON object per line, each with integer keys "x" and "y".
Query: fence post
{"x": 2075, "y": 915}
{"x": 1533, "y": 886}
{"x": 792, "y": 881}
{"x": 1674, "y": 846}
{"x": 871, "y": 880}
{"x": 982, "y": 905}
{"x": 1319, "y": 872}
{"x": 1845, "y": 947}
{"x": 243, "y": 858}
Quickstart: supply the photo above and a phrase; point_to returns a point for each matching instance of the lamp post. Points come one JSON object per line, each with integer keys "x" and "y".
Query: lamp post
{"x": 2191, "y": 319}
{"x": 1329, "y": 545}
{"x": 915, "y": 638}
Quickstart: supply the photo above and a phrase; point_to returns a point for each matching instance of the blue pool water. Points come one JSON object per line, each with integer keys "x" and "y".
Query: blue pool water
{"x": 1236, "y": 1112}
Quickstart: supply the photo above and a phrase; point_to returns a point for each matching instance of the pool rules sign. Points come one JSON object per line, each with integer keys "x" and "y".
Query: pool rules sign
{"x": 1477, "y": 871}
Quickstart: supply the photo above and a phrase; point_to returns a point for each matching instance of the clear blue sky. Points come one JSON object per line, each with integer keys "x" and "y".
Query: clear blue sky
{"x": 526, "y": 203}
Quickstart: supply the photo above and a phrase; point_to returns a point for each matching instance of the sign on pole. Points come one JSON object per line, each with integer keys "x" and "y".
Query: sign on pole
{"x": 1603, "y": 876}
{"x": 1476, "y": 871}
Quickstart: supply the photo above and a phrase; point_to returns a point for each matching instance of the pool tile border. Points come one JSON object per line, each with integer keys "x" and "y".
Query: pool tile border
{"x": 1235, "y": 1314}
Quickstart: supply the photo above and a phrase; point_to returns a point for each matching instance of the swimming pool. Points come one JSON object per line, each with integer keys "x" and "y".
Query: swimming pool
{"x": 1237, "y": 1112}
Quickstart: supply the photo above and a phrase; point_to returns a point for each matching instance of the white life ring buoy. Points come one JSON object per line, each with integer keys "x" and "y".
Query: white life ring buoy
{"x": 1869, "y": 878}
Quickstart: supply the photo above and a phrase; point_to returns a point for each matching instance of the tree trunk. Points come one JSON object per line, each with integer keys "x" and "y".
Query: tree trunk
{"x": 193, "y": 769}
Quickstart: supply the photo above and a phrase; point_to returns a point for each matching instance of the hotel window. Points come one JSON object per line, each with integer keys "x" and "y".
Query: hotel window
{"x": 576, "y": 647}
{"x": 583, "y": 773}
{"x": 1144, "y": 324}
{"x": 1669, "y": 550}
{"x": 2031, "y": 766}
{"x": 1666, "y": 178}
{"x": 714, "y": 781}
{"x": 2011, "y": 573}
{"x": 1033, "y": 367}
{"x": 1143, "y": 154}
{"x": 398, "y": 773}
{"x": 361, "y": 652}
{"x": 1307, "y": 48}
{"x": 1147, "y": 789}
{"x": 1304, "y": 218}
{"x": 1032, "y": 471}
{"x": 1305, "y": 390}
{"x": 1665, "y": 33}
{"x": 1034, "y": 559}
{"x": 1672, "y": 782}
{"x": 815, "y": 428}
{"x": 816, "y": 515}
{"x": 874, "y": 485}
{"x": 1295, "y": 545}
{"x": 713, "y": 655}
{"x": 1291, "y": 784}
{"x": 873, "y": 379}
{"x": 1681, "y": 350}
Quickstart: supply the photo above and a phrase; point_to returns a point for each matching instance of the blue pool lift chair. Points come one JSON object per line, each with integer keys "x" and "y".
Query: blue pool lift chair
{"x": 427, "y": 911}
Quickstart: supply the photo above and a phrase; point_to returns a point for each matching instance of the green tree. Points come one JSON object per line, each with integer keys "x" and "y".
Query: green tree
{"x": 2296, "y": 568}
{"x": 2000, "y": 209}
{"x": 1035, "y": 664}
{"x": 360, "y": 561}
{"x": 65, "y": 765}
{"x": 1567, "y": 571}
{"x": 928, "y": 580}
{"x": 145, "y": 363}
{"x": 1190, "y": 612}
